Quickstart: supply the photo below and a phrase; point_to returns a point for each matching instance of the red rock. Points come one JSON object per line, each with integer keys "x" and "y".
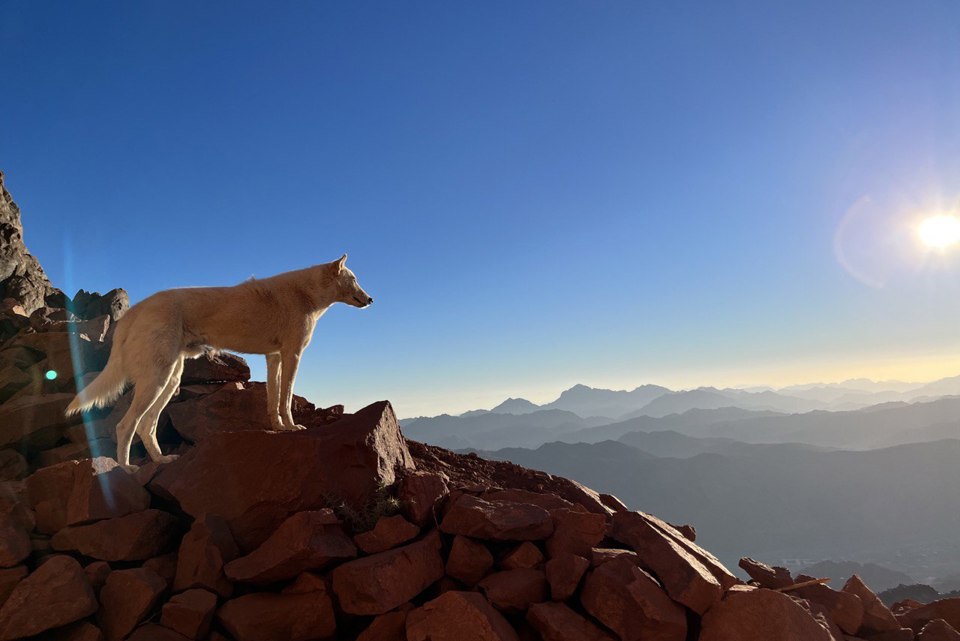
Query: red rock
{"x": 458, "y": 616}
{"x": 13, "y": 503}
{"x": 34, "y": 419}
{"x": 379, "y": 583}
{"x": 419, "y": 492}
{"x": 238, "y": 475}
{"x": 165, "y": 566}
{"x": 615, "y": 504}
{"x": 766, "y": 576}
{"x": 12, "y": 465}
{"x": 205, "y": 549}
{"x": 760, "y": 614}
{"x": 876, "y": 616}
{"x": 496, "y": 520}
{"x": 389, "y": 532}
{"x": 233, "y": 408}
{"x": 690, "y": 575}
{"x": 135, "y": 537}
{"x": 127, "y": 598}
{"x": 305, "y": 541}
{"x": 526, "y": 556}
{"x": 549, "y": 502}
{"x": 9, "y": 578}
{"x": 291, "y": 617}
{"x": 14, "y": 542}
{"x": 515, "y": 590}
{"x": 820, "y": 614}
{"x": 946, "y": 609}
{"x": 469, "y": 561}
{"x": 564, "y": 573}
{"x": 386, "y": 627}
{"x": 79, "y": 631}
{"x": 938, "y": 630}
{"x": 599, "y": 556}
{"x": 631, "y": 603}
{"x": 845, "y": 609}
{"x": 190, "y": 613}
{"x": 71, "y": 451}
{"x": 154, "y": 632}
{"x": 576, "y": 532}
{"x": 97, "y": 573}
{"x": 57, "y": 593}
{"x": 557, "y": 622}
{"x": 77, "y": 492}
{"x": 221, "y": 367}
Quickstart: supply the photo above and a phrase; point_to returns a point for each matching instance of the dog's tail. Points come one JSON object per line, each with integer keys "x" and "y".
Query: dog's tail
{"x": 104, "y": 389}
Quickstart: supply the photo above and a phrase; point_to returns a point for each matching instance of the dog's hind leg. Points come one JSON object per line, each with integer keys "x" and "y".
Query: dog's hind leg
{"x": 146, "y": 391}
{"x": 289, "y": 362}
{"x": 147, "y": 428}
{"x": 273, "y": 391}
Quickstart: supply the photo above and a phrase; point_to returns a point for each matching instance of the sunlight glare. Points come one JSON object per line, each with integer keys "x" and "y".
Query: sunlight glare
{"x": 940, "y": 232}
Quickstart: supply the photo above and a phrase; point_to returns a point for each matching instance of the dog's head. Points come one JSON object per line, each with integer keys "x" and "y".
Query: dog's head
{"x": 348, "y": 289}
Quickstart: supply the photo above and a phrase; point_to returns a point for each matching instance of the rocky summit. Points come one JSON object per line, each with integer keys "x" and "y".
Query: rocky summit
{"x": 346, "y": 530}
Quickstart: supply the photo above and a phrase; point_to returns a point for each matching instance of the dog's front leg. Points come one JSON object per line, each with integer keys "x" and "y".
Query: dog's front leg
{"x": 289, "y": 363}
{"x": 273, "y": 391}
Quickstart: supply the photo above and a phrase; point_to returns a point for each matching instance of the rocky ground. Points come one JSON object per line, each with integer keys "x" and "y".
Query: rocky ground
{"x": 343, "y": 531}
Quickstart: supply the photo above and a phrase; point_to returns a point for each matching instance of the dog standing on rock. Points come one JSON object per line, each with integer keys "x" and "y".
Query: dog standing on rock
{"x": 274, "y": 316}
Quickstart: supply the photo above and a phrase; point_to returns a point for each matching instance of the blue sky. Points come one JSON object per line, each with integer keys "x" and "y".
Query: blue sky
{"x": 536, "y": 194}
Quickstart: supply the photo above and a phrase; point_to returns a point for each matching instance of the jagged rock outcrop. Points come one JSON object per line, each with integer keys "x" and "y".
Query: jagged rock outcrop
{"x": 21, "y": 277}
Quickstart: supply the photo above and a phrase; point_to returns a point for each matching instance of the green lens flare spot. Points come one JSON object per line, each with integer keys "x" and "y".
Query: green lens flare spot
{"x": 51, "y": 375}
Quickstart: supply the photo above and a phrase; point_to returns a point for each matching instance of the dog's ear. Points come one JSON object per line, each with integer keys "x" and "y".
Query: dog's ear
{"x": 341, "y": 262}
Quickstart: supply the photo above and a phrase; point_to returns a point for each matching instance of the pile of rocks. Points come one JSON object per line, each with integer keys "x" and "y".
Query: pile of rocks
{"x": 344, "y": 530}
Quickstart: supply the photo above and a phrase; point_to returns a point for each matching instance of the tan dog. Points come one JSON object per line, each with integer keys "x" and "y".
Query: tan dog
{"x": 274, "y": 316}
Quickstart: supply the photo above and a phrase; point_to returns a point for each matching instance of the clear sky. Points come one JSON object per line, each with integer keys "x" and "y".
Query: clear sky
{"x": 535, "y": 193}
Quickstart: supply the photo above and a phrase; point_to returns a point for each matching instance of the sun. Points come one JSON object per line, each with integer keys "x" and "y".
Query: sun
{"x": 940, "y": 231}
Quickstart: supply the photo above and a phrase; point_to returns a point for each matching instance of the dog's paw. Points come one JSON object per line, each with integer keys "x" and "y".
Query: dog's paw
{"x": 292, "y": 428}
{"x": 130, "y": 468}
{"x": 168, "y": 458}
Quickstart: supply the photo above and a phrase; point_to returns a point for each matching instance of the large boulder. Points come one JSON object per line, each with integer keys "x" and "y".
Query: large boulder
{"x": 255, "y": 480}
{"x": 514, "y": 591}
{"x": 305, "y": 541}
{"x": 877, "y": 617}
{"x": 468, "y": 561}
{"x": 36, "y": 420}
{"x": 690, "y": 575}
{"x": 204, "y": 551}
{"x": 389, "y": 532}
{"x": 134, "y": 537}
{"x": 88, "y": 305}
{"x": 14, "y": 541}
{"x": 761, "y": 614}
{"x": 238, "y": 408}
{"x": 190, "y": 613}
{"x": 946, "y": 609}
{"x": 845, "y": 609}
{"x": 631, "y": 603}
{"x": 379, "y": 583}
{"x": 57, "y": 593}
{"x": 126, "y": 599}
{"x": 458, "y": 616}
{"x": 557, "y": 622}
{"x": 301, "y": 612}
{"x": 221, "y": 367}
{"x": 496, "y": 520}
{"x": 75, "y": 492}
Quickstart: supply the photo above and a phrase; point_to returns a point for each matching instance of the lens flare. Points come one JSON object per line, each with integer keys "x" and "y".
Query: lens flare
{"x": 939, "y": 232}
{"x": 51, "y": 375}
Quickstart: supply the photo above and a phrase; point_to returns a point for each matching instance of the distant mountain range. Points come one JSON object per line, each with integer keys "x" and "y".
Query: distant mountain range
{"x": 783, "y": 503}
{"x": 655, "y": 400}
